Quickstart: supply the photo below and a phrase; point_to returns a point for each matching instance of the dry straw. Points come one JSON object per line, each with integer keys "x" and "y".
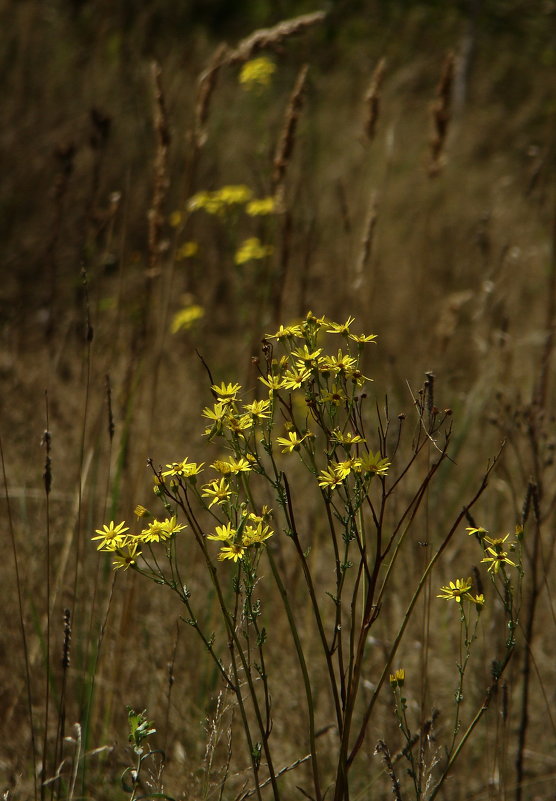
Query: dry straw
{"x": 270, "y": 37}
{"x": 366, "y": 242}
{"x": 224, "y": 56}
{"x": 440, "y": 114}
{"x": 372, "y": 100}
{"x": 286, "y": 141}
{"x": 161, "y": 182}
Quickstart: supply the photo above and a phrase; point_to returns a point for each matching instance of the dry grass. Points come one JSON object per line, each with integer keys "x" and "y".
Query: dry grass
{"x": 455, "y": 274}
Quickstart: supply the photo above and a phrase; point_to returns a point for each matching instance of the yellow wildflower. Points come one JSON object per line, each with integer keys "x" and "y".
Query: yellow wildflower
{"x": 111, "y": 536}
{"x": 184, "y": 469}
{"x": 255, "y": 535}
{"x": 206, "y": 201}
{"x": 340, "y": 328}
{"x": 456, "y": 590}
{"x": 187, "y": 250}
{"x": 361, "y": 338}
{"x": 397, "y": 679}
{"x": 259, "y": 410}
{"x": 273, "y": 382}
{"x": 476, "y": 532}
{"x": 217, "y": 491}
{"x": 330, "y": 479}
{"x": 252, "y": 248}
{"x": 313, "y": 323}
{"x": 185, "y": 318}
{"x": 223, "y": 534}
{"x": 373, "y": 464}
{"x": 497, "y": 558}
{"x": 238, "y": 423}
{"x": 233, "y": 466}
{"x": 235, "y": 551}
{"x": 287, "y": 332}
{"x": 122, "y": 561}
{"x": 262, "y": 206}
{"x": 343, "y": 469}
{"x": 341, "y": 363}
{"x": 233, "y": 195}
{"x": 257, "y": 73}
{"x": 217, "y": 414}
{"x": 306, "y": 357}
{"x": 336, "y": 396}
{"x": 140, "y": 511}
{"x": 293, "y": 379}
{"x": 226, "y": 392}
{"x": 346, "y": 439}
{"x": 160, "y": 530}
{"x": 292, "y": 442}
{"x": 496, "y": 542}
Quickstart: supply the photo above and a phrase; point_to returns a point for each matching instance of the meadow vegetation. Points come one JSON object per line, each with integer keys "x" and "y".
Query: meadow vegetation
{"x": 277, "y": 431}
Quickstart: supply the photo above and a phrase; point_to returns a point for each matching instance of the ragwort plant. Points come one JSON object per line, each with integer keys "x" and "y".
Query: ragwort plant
{"x": 310, "y": 414}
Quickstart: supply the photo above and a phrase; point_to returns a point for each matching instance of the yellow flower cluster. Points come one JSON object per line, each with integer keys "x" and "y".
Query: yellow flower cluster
{"x": 235, "y": 542}
{"x": 126, "y": 547}
{"x": 372, "y": 464}
{"x": 257, "y": 73}
{"x": 221, "y": 200}
{"x": 308, "y": 364}
{"x": 495, "y": 554}
{"x": 184, "y": 469}
{"x": 227, "y": 414}
{"x": 307, "y": 380}
{"x": 460, "y": 590}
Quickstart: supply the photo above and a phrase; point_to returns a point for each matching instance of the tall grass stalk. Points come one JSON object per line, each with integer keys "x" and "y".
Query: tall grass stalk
{"x": 21, "y": 621}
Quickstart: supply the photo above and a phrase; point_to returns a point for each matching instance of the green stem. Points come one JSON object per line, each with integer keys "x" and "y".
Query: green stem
{"x": 367, "y": 714}
{"x": 304, "y": 672}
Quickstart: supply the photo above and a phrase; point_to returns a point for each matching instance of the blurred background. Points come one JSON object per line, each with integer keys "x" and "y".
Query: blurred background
{"x": 414, "y": 167}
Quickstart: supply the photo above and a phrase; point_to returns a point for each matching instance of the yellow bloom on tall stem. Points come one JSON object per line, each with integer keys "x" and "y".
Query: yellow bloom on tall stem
{"x": 252, "y": 249}
{"x": 234, "y": 552}
{"x": 330, "y": 479}
{"x": 259, "y": 410}
{"x": 223, "y": 534}
{"x": 373, "y": 463}
{"x": 347, "y": 438}
{"x": 257, "y": 73}
{"x": 160, "y": 530}
{"x": 255, "y": 535}
{"x": 456, "y": 590}
{"x": 340, "y": 328}
{"x": 217, "y": 491}
{"x": 273, "y": 382}
{"x": 233, "y": 466}
{"x": 111, "y": 536}
{"x": 286, "y": 332}
{"x": 497, "y": 558}
{"x": 184, "y": 469}
{"x": 261, "y": 206}
{"x": 122, "y": 561}
{"x": 184, "y": 320}
{"x": 397, "y": 679}
{"x": 291, "y": 443}
{"x": 362, "y": 338}
{"x": 226, "y": 392}
{"x": 293, "y": 379}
